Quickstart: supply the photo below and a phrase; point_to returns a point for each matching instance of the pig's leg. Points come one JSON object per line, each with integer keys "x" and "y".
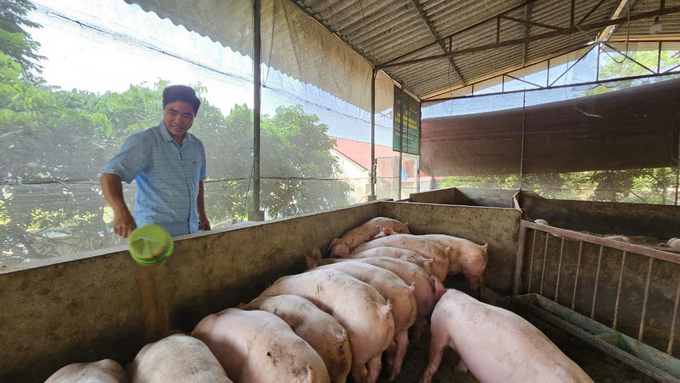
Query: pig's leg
{"x": 402, "y": 344}
{"x": 417, "y": 329}
{"x": 461, "y": 366}
{"x": 390, "y": 354}
{"x": 359, "y": 371}
{"x": 437, "y": 346}
{"x": 476, "y": 283}
{"x": 374, "y": 367}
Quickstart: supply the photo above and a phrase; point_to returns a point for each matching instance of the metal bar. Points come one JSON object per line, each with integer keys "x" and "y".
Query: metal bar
{"x": 519, "y": 258}
{"x": 553, "y": 87}
{"x": 543, "y": 36}
{"x": 460, "y": 31}
{"x": 545, "y": 256}
{"x": 573, "y": 11}
{"x": 597, "y": 69}
{"x": 521, "y": 152}
{"x": 597, "y": 278}
{"x": 373, "y": 175}
{"x": 531, "y": 261}
{"x": 401, "y": 134}
{"x": 528, "y": 22}
{"x": 571, "y": 66}
{"x": 662, "y": 4}
{"x": 658, "y": 60}
{"x": 559, "y": 269}
{"x": 498, "y": 30}
{"x": 547, "y": 75}
{"x": 618, "y": 290}
{"x": 644, "y": 302}
{"x": 637, "y": 249}
{"x": 628, "y": 57}
{"x": 502, "y": 83}
{"x": 450, "y": 43}
{"x": 441, "y": 42}
{"x": 669, "y": 351}
{"x": 257, "y": 102}
{"x": 593, "y": 9}
{"x": 524, "y": 81}
{"x": 675, "y": 67}
{"x": 578, "y": 267}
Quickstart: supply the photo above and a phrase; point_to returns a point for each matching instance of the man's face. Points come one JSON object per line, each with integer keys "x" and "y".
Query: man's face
{"x": 178, "y": 117}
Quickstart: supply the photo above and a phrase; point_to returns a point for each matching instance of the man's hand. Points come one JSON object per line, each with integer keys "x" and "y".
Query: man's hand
{"x": 203, "y": 223}
{"x": 123, "y": 223}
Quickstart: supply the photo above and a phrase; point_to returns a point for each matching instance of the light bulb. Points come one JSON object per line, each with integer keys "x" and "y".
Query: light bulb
{"x": 656, "y": 27}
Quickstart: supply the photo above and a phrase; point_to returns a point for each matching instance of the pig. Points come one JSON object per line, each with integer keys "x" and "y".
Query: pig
{"x": 427, "y": 290}
{"x": 673, "y": 243}
{"x": 541, "y": 222}
{"x": 177, "y": 358}
{"x": 393, "y": 252}
{"x": 259, "y": 347}
{"x": 326, "y": 336}
{"x": 104, "y": 371}
{"x": 465, "y": 257}
{"x": 496, "y": 345}
{"x": 428, "y": 248}
{"x": 359, "y": 308}
{"x": 393, "y": 289}
{"x": 343, "y": 246}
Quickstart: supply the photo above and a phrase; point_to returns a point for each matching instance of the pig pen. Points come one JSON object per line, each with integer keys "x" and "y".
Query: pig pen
{"x": 89, "y": 307}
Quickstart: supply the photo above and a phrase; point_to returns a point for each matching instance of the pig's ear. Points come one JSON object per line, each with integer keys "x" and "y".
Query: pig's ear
{"x": 412, "y": 287}
{"x": 310, "y": 375}
{"x": 241, "y": 306}
{"x": 311, "y": 263}
{"x": 486, "y": 245}
{"x": 388, "y": 231}
{"x": 438, "y": 287}
{"x": 316, "y": 254}
{"x": 333, "y": 242}
{"x": 428, "y": 260}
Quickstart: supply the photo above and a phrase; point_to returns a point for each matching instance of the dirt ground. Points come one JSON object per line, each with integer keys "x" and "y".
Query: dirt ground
{"x": 602, "y": 368}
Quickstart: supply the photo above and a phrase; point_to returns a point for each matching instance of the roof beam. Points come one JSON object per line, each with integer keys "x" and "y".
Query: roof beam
{"x": 441, "y": 43}
{"x": 617, "y": 13}
{"x": 460, "y": 31}
{"x": 592, "y": 10}
{"x": 527, "y": 31}
{"x": 565, "y": 31}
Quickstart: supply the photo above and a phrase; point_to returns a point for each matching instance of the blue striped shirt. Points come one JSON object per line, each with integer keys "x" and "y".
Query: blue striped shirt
{"x": 167, "y": 176}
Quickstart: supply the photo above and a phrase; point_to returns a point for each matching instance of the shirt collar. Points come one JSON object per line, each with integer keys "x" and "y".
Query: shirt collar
{"x": 167, "y": 137}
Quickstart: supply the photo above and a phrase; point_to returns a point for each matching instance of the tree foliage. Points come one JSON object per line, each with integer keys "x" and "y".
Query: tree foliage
{"x": 55, "y": 144}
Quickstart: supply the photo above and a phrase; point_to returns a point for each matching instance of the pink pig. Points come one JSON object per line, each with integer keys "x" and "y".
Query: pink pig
{"x": 326, "y": 336}
{"x": 259, "y": 347}
{"x": 393, "y": 252}
{"x": 177, "y": 358}
{"x": 355, "y": 237}
{"x": 104, "y": 371}
{"x": 393, "y": 289}
{"x": 496, "y": 345}
{"x": 359, "y": 308}
{"x": 427, "y": 290}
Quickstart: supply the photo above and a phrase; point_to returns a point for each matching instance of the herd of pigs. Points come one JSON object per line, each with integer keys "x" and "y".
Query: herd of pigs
{"x": 350, "y": 314}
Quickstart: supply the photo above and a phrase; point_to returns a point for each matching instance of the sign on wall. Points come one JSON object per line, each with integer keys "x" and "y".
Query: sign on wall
{"x": 411, "y": 123}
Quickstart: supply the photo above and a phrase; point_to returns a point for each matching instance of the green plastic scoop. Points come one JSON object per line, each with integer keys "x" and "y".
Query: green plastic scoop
{"x": 150, "y": 244}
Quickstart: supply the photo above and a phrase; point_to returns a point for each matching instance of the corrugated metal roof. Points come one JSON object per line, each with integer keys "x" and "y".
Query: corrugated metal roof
{"x": 671, "y": 23}
{"x": 388, "y": 29}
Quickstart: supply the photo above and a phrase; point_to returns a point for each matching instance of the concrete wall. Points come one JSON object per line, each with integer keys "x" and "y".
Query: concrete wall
{"x": 499, "y": 227}
{"x": 78, "y": 310}
{"x": 467, "y": 196}
{"x": 660, "y": 221}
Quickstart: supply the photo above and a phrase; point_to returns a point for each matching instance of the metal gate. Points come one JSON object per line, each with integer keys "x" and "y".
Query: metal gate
{"x": 573, "y": 289}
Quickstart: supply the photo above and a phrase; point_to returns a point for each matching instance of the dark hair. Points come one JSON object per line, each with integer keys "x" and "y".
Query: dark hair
{"x": 181, "y": 93}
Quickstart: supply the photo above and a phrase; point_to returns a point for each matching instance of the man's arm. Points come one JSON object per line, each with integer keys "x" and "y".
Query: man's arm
{"x": 112, "y": 188}
{"x": 203, "y": 223}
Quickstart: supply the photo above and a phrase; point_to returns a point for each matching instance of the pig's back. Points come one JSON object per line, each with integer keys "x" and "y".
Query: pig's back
{"x": 498, "y": 345}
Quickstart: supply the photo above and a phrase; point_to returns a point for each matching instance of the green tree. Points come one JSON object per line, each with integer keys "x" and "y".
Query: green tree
{"x": 15, "y": 42}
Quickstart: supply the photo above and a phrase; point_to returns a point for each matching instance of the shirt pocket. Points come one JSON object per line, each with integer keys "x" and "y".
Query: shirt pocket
{"x": 192, "y": 163}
